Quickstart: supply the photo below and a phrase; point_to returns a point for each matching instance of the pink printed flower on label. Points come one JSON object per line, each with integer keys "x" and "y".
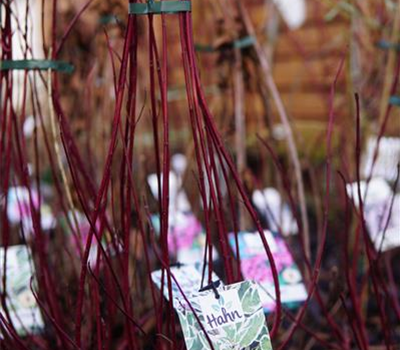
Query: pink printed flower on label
{"x": 257, "y": 269}
{"x": 282, "y": 257}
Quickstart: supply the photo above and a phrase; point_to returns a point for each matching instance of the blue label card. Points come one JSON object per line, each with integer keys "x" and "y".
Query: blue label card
{"x": 232, "y": 318}
{"x": 24, "y": 311}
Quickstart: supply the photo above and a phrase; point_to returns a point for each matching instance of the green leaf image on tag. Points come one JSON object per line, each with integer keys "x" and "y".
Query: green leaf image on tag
{"x": 235, "y": 323}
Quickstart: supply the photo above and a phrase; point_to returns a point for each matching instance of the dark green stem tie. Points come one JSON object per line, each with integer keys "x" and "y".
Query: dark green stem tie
{"x": 159, "y": 7}
{"x": 59, "y": 66}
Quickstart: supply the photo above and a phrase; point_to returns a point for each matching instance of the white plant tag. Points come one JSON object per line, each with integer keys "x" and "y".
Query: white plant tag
{"x": 294, "y": 12}
{"x": 383, "y": 224}
{"x": 232, "y": 317}
{"x": 179, "y": 164}
{"x": 24, "y": 311}
{"x": 189, "y": 279}
{"x": 388, "y": 157}
{"x": 19, "y": 209}
{"x": 278, "y": 214}
{"x": 227, "y": 310}
{"x": 178, "y": 201}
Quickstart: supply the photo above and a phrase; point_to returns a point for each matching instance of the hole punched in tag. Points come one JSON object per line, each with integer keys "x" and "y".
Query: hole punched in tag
{"x": 212, "y": 286}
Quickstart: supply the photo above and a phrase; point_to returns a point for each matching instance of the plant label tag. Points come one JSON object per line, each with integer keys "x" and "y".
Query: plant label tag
{"x": 229, "y": 318}
{"x": 255, "y": 266}
{"x": 277, "y": 213}
{"x": 224, "y": 310}
{"x": 24, "y": 311}
{"x": 381, "y": 208}
{"x": 19, "y": 209}
{"x": 189, "y": 278}
{"x": 385, "y": 165}
{"x": 294, "y": 12}
{"x": 186, "y": 237}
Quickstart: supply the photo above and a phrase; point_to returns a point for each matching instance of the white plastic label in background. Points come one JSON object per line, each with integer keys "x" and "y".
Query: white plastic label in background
{"x": 19, "y": 209}
{"x": 294, "y": 12}
{"x": 270, "y": 204}
{"x": 388, "y": 158}
{"x": 178, "y": 201}
{"x": 29, "y": 126}
{"x": 34, "y": 37}
{"x": 383, "y": 225}
{"x": 186, "y": 238}
{"x": 179, "y": 164}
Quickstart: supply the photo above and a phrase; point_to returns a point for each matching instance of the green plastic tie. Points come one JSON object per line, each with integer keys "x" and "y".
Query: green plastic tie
{"x": 204, "y": 48}
{"x": 59, "y": 66}
{"x": 394, "y": 100}
{"x": 108, "y": 19}
{"x": 160, "y": 7}
{"x": 241, "y": 44}
{"x": 245, "y": 42}
{"x": 386, "y": 45}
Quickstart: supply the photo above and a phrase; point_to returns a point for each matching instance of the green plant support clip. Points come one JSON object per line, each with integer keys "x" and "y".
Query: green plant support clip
{"x": 159, "y": 7}
{"x": 241, "y": 44}
{"x": 394, "y": 100}
{"x": 204, "y": 48}
{"x": 386, "y": 45}
{"x": 59, "y": 66}
{"x": 108, "y": 19}
{"x": 245, "y": 42}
